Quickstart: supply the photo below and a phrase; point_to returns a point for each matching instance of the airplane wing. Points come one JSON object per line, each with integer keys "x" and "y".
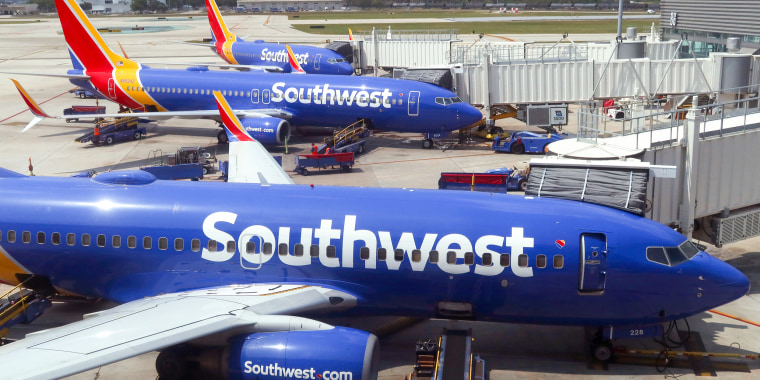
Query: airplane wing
{"x": 157, "y": 322}
{"x": 249, "y": 162}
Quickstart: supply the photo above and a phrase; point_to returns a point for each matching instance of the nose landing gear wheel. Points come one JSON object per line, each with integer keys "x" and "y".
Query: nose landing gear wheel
{"x": 427, "y": 143}
{"x": 602, "y": 351}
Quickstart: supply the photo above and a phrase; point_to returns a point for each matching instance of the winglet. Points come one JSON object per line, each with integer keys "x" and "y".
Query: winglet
{"x": 39, "y": 114}
{"x": 294, "y": 65}
{"x": 33, "y": 106}
{"x": 230, "y": 122}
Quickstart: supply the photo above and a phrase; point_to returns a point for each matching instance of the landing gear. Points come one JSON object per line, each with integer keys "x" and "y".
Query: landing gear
{"x": 222, "y": 137}
{"x": 602, "y": 350}
{"x": 427, "y": 143}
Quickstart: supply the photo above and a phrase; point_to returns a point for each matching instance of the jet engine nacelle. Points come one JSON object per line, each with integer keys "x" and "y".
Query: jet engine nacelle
{"x": 337, "y": 354}
{"x": 267, "y": 130}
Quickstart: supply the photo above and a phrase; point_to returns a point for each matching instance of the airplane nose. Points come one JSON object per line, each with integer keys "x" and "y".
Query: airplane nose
{"x": 345, "y": 69}
{"x": 469, "y": 115}
{"x": 731, "y": 283}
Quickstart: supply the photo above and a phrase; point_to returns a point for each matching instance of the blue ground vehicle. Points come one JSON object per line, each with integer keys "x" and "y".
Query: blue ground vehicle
{"x": 526, "y": 142}
{"x": 82, "y": 93}
{"x": 492, "y": 181}
{"x": 114, "y": 129}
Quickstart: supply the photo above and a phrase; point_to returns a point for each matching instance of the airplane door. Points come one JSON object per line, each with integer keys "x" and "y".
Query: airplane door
{"x": 414, "y": 103}
{"x": 316, "y": 61}
{"x": 255, "y": 252}
{"x": 111, "y": 89}
{"x": 255, "y": 96}
{"x": 265, "y": 94}
{"x": 593, "y": 270}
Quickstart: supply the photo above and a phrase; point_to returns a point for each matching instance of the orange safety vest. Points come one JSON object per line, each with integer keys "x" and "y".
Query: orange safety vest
{"x": 97, "y": 131}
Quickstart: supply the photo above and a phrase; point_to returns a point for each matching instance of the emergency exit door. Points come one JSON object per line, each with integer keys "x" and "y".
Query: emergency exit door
{"x": 414, "y": 103}
{"x": 593, "y": 270}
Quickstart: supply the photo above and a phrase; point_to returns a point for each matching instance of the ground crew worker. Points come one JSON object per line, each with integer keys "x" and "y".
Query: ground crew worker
{"x": 328, "y": 150}
{"x": 96, "y": 134}
{"x": 314, "y": 149}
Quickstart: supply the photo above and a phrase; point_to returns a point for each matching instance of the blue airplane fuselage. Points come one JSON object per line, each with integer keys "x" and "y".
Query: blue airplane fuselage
{"x": 313, "y": 60}
{"x": 400, "y": 251}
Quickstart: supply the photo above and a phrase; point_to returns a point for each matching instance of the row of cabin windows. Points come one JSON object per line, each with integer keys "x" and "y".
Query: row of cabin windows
{"x": 171, "y": 90}
{"x": 558, "y": 261}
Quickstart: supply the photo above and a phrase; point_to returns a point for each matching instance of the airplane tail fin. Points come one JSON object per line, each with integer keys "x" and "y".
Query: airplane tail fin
{"x": 219, "y": 30}
{"x": 230, "y": 122}
{"x": 39, "y": 114}
{"x": 294, "y": 65}
{"x": 248, "y": 162}
{"x": 87, "y": 46}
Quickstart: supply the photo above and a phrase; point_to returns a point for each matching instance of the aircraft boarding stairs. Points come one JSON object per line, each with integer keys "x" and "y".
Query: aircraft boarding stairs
{"x": 20, "y": 305}
{"x": 450, "y": 359}
{"x": 346, "y": 136}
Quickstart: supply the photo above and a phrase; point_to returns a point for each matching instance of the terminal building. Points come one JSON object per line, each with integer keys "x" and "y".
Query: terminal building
{"x": 289, "y": 5}
{"x": 708, "y": 24}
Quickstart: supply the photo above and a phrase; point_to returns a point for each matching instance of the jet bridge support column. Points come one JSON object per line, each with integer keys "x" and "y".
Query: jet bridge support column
{"x": 689, "y": 170}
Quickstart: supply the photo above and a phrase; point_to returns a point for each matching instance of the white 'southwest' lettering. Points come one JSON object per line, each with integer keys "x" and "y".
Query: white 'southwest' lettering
{"x": 323, "y": 95}
{"x": 451, "y": 248}
{"x": 282, "y": 56}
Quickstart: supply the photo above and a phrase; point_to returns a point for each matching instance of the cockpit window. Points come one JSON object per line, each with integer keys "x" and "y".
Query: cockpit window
{"x": 672, "y": 256}
{"x": 689, "y": 249}
{"x": 336, "y": 60}
{"x": 657, "y": 254}
{"x": 447, "y": 101}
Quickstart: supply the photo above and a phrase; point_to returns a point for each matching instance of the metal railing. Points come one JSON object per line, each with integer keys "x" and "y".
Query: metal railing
{"x": 520, "y": 54}
{"x": 725, "y": 112}
{"x": 411, "y": 35}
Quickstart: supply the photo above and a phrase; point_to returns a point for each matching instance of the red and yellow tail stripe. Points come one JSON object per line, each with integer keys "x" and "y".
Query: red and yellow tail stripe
{"x": 296, "y": 67}
{"x": 110, "y": 73}
{"x": 232, "y": 125}
{"x": 33, "y": 106}
{"x": 350, "y": 35}
{"x": 224, "y": 38}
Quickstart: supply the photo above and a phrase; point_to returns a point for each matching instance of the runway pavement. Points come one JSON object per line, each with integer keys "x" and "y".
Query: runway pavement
{"x": 392, "y": 160}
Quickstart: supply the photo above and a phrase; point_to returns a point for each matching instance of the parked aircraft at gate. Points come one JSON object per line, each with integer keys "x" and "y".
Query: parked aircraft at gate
{"x": 236, "y": 51}
{"x": 267, "y": 103}
{"x": 235, "y": 270}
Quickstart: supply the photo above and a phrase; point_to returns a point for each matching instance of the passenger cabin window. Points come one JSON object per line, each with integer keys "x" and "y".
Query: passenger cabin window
{"x": 416, "y": 255}
{"x": 364, "y": 253}
{"x": 179, "y": 244}
{"x": 132, "y": 241}
{"x": 381, "y": 254}
{"x": 433, "y": 257}
{"x": 282, "y": 249}
{"x": 331, "y": 251}
{"x": 250, "y": 247}
{"x": 116, "y": 241}
{"x": 487, "y": 259}
{"x": 298, "y": 250}
{"x": 541, "y": 261}
{"x": 212, "y": 247}
{"x": 559, "y": 262}
{"x": 26, "y": 237}
{"x": 522, "y": 260}
{"x": 86, "y": 240}
{"x": 195, "y": 245}
{"x": 40, "y": 237}
{"x": 11, "y": 236}
{"x": 469, "y": 258}
{"x": 147, "y": 242}
{"x": 71, "y": 239}
{"x": 55, "y": 238}
{"x": 101, "y": 240}
{"x": 398, "y": 254}
{"x": 314, "y": 250}
{"x": 267, "y": 248}
{"x": 163, "y": 243}
{"x": 504, "y": 260}
{"x": 231, "y": 246}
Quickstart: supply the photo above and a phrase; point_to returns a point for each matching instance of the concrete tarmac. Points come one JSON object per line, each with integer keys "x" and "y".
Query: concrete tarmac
{"x": 392, "y": 160}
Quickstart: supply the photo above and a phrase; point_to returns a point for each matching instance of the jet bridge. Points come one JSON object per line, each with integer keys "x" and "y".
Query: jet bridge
{"x": 714, "y": 197}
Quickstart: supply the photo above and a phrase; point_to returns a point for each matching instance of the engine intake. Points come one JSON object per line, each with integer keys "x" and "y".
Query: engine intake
{"x": 267, "y": 130}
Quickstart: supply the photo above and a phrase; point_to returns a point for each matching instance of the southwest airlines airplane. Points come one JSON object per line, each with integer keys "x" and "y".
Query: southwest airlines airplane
{"x": 230, "y": 287}
{"x": 267, "y": 103}
{"x": 234, "y": 50}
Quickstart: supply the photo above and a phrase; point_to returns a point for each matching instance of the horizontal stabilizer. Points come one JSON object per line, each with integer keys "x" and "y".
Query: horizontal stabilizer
{"x": 68, "y": 76}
